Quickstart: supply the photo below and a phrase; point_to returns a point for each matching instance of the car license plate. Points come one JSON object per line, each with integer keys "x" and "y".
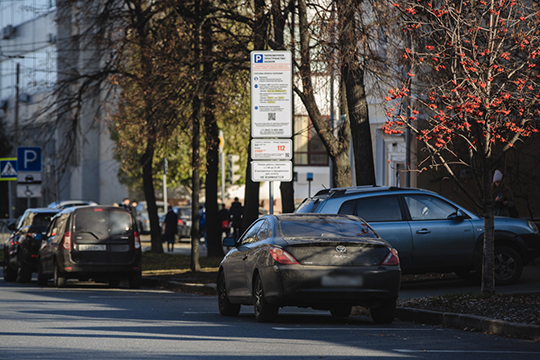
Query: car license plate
{"x": 92, "y": 247}
{"x": 342, "y": 280}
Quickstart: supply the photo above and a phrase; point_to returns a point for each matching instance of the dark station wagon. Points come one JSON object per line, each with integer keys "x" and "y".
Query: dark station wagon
{"x": 91, "y": 242}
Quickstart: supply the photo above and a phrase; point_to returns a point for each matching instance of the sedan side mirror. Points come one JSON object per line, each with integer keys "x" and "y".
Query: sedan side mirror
{"x": 12, "y": 226}
{"x": 229, "y": 241}
{"x": 458, "y": 215}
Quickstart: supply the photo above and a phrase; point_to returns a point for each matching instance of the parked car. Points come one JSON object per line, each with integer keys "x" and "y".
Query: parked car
{"x": 431, "y": 233}
{"x": 143, "y": 220}
{"x": 69, "y": 203}
{"x": 91, "y": 242}
{"x": 184, "y": 221}
{"x": 21, "y": 248}
{"x": 327, "y": 262}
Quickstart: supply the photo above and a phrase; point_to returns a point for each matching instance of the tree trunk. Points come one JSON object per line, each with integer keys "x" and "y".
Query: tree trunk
{"x": 196, "y": 146}
{"x": 353, "y": 75}
{"x": 337, "y": 148}
{"x": 488, "y": 258}
{"x": 196, "y": 183}
{"x": 286, "y": 188}
{"x": 251, "y": 194}
{"x": 150, "y": 196}
{"x": 213, "y": 225}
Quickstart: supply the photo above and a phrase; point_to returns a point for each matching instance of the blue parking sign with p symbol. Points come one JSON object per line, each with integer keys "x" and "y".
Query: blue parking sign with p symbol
{"x": 29, "y": 159}
{"x": 259, "y": 58}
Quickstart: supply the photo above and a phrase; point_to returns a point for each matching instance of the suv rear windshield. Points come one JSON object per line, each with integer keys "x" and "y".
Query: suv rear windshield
{"x": 308, "y": 206}
{"x": 102, "y": 223}
{"x": 321, "y": 227}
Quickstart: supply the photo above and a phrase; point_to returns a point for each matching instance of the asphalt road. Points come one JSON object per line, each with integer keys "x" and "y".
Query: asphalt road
{"x": 90, "y": 321}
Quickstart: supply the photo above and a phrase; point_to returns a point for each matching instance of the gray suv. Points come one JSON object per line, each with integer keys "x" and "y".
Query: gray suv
{"x": 430, "y": 232}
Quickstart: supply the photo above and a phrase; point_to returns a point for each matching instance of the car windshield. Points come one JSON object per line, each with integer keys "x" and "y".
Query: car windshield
{"x": 42, "y": 219}
{"x": 325, "y": 227}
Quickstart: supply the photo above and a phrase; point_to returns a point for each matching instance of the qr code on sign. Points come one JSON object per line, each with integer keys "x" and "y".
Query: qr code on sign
{"x": 271, "y": 116}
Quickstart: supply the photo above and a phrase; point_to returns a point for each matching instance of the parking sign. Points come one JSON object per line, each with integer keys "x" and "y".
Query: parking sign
{"x": 29, "y": 159}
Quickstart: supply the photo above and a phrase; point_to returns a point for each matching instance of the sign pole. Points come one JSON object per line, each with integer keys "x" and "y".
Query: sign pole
{"x": 271, "y": 118}
{"x": 10, "y": 191}
{"x": 271, "y": 196}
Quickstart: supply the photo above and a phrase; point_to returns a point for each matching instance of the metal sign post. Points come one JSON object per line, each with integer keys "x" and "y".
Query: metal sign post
{"x": 8, "y": 172}
{"x": 271, "y": 117}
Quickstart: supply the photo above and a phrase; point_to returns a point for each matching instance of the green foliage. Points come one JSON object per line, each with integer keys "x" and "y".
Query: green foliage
{"x": 169, "y": 91}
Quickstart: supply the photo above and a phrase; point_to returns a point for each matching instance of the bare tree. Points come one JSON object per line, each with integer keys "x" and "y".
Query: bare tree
{"x": 476, "y": 64}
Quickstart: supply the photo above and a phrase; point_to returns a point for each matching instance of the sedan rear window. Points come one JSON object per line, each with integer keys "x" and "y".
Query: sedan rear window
{"x": 322, "y": 227}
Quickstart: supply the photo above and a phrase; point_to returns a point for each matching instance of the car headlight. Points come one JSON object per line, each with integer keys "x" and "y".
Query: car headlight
{"x": 533, "y": 226}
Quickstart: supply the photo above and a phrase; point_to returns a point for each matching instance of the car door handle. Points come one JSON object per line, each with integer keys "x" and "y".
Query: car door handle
{"x": 423, "y": 231}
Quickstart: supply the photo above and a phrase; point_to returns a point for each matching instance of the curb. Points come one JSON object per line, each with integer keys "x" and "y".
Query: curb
{"x": 205, "y": 289}
{"x": 469, "y": 322}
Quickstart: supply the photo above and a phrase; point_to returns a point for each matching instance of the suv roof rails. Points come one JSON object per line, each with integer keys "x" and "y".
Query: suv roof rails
{"x": 335, "y": 192}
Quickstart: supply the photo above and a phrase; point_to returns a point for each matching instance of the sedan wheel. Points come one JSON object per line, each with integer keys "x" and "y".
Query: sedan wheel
{"x": 24, "y": 273}
{"x": 10, "y": 274}
{"x": 385, "y": 313}
{"x": 508, "y": 266}
{"x": 264, "y": 312}
{"x": 42, "y": 279}
{"x": 226, "y": 308}
{"x": 341, "y": 312}
{"x": 59, "y": 279}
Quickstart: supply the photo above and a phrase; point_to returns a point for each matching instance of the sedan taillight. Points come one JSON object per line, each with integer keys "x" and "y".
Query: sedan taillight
{"x": 137, "y": 240}
{"x": 66, "y": 244}
{"x": 282, "y": 257}
{"x": 392, "y": 258}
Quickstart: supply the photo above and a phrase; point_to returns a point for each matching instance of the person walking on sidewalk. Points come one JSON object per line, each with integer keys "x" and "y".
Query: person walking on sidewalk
{"x": 170, "y": 228}
{"x": 236, "y": 212}
{"x": 503, "y": 197}
{"x": 224, "y": 218}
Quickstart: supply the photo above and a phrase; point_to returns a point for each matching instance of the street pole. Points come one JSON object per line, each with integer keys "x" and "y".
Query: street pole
{"x": 13, "y": 190}
{"x": 165, "y": 168}
{"x": 222, "y": 165}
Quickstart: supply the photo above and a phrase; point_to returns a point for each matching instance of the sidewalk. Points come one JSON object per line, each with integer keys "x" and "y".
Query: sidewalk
{"x": 182, "y": 248}
{"x": 458, "y": 321}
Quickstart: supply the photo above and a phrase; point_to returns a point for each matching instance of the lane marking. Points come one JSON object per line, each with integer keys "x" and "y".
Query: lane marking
{"x": 351, "y": 328}
{"x": 466, "y": 351}
{"x": 200, "y": 312}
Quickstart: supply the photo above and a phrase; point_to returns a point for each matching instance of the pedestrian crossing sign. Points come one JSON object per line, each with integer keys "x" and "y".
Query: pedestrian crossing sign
{"x": 8, "y": 169}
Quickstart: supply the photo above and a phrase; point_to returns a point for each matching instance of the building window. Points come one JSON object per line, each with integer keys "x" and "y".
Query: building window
{"x": 309, "y": 150}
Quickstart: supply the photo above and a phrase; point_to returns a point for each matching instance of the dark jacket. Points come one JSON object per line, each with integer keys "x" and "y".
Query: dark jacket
{"x": 171, "y": 226}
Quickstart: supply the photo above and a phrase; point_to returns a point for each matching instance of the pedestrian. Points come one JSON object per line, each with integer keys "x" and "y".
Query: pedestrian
{"x": 236, "y": 211}
{"x": 127, "y": 204}
{"x": 202, "y": 224}
{"x": 225, "y": 219}
{"x": 503, "y": 197}
{"x": 170, "y": 229}
{"x": 134, "y": 204}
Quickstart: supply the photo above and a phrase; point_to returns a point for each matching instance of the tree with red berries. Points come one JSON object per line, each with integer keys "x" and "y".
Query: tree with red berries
{"x": 475, "y": 90}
